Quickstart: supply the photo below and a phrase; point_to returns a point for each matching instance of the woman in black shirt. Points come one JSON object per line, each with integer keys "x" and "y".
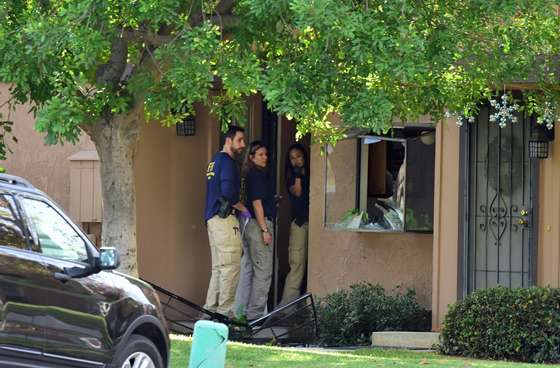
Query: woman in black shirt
{"x": 297, "y": 182}
{"x": 258, "y": 231}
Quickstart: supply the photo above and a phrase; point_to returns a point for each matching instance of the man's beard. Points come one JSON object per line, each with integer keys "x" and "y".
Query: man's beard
{"x": 237, "y": 152}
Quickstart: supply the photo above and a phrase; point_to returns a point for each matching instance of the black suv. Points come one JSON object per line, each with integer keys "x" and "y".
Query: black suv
{"x": 60, "y": 303}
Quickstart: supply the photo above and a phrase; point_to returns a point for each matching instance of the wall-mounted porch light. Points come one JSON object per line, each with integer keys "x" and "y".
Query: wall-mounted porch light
{"x": 538, "y": 149}
{"x": 187, "y": 127}
{"x": 539, "y": 140}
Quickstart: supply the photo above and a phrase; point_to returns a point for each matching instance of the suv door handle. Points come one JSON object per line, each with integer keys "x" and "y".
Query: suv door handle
{"x": 61, "y": 276}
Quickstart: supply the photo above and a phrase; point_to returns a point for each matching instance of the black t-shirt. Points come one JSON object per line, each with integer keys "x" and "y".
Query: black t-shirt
{"x": 260, "y": 186}
{"x": 300, "y": 205}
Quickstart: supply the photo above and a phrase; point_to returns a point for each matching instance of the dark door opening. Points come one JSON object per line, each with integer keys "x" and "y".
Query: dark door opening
{"x": 279, "y": 133}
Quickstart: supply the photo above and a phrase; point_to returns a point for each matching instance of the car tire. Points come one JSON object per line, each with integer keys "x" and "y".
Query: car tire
{"x": 138, "y": 349}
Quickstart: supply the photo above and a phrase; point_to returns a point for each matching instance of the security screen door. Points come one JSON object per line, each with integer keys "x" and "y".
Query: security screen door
{"x": 499, "y": 227}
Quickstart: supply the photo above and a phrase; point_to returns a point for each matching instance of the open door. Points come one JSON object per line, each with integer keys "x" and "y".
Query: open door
{"x": 279, "y": 133}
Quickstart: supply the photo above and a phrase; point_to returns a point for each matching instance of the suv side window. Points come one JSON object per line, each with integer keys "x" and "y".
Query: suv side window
{"x": 56, "y": 237}
{"x": 11, "y": 234}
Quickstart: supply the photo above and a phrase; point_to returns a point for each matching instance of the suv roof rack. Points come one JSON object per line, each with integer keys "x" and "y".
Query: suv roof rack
{"x": 15, "y": 180}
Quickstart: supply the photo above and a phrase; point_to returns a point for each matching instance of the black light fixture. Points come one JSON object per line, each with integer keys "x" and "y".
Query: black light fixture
{"x": 538, "y": 149}
{"x": 539, "y": 141}
{"x": 187, "y": 127}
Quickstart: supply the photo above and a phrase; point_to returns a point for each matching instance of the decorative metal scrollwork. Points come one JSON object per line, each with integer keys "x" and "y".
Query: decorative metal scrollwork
{"x": 498, "y": 211}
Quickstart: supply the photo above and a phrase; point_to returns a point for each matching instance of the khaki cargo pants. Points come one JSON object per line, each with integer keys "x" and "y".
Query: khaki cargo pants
{"x": 225, "y": 247}
{"x": 297, "y": 255}
{"x": 261, "y": 256}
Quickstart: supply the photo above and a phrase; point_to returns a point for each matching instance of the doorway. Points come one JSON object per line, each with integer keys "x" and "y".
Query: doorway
{"x": 499, "y": 227}
{"x": 278, "y": 133}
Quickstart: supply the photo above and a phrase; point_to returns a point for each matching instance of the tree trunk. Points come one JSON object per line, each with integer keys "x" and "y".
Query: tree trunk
{"x": 116, "y": 140}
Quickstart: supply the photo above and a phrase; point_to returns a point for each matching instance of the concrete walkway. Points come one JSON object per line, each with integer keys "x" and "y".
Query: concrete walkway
{"x": 405, "y": 340}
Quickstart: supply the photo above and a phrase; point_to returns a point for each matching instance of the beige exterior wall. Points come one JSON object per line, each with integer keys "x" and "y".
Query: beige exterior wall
{"x": 46, "y": 167}
{"x": 170, "y": 189}
{"x": 173, "y": 249}
{"x": 338, "y": 259}
{"x": 446, "y": 221}
{"x": 548, "y": 264}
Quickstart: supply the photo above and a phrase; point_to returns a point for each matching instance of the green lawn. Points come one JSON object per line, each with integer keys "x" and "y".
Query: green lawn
{"x": 244, "y": 355}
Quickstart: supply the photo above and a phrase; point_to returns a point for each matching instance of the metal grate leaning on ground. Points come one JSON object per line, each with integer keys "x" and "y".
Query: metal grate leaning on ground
{"x": 293, "y": 323}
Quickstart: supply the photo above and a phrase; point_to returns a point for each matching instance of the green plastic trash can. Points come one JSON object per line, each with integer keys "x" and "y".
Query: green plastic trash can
{"x": 209, "y": 345}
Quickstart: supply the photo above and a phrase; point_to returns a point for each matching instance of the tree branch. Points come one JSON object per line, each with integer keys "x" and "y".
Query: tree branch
{"x": 222, "y": 17}
{"x": 111, "y": 72}
{"x": 224, "y": 21}
{"x": 147, "y": 37}
{"x": 8, "y": 102}
{"x": 225, "y": 6}
{"x": 45, "y": 5}
{"x": 153, "y": 39}
{"x": 223, "y": 9}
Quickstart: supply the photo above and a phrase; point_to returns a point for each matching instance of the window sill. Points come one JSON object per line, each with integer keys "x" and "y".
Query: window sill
{"x": 333, "y": 228}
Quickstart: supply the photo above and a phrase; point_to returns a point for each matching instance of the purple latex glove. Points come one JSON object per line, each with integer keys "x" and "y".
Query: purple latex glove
{"x": 245, "y": 215}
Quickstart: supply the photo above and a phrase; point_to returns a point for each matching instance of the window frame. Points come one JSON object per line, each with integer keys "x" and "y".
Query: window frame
{"x": 361, "y": 181}
{"x": 36, "y": 247}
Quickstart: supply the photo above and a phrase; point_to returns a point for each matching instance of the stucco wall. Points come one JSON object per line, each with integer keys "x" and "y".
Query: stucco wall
{"x": 46, "y": 167}
{"x": 446, "y": 220}
{"x": 170, "y": 188}
{"x": 341, "y": 179}
{"x": 548, "y": 265}
{"x": 338, "y": 259}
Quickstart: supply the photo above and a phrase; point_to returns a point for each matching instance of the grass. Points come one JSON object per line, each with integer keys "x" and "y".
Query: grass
{"x": 245, "y": 355}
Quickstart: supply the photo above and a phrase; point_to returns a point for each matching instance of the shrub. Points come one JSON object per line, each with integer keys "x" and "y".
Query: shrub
{"x": 501, "y": 323}
{"x": 348, "y": 317}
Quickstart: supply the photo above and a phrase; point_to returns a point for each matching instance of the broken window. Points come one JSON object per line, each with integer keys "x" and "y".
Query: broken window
{"x": 381, "y": 183}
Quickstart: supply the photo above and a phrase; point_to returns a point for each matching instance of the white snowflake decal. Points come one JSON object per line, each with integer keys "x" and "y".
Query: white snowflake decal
{"x": 548, "y": 115}
{"x": 504, "y": 111}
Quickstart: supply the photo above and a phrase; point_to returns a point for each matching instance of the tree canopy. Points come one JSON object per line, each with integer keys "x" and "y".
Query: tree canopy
{"x": 105, "y": 66}
{"x": 372, "y": 61}
{"x": 369, "y": 61}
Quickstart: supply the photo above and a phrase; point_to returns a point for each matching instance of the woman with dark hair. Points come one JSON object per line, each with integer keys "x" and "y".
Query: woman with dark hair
{"x": 260, "y": 201}
{"x": 297, "y": 182}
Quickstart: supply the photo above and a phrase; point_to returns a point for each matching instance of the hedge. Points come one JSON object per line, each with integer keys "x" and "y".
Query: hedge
{"x": 502, "y": 323}
{"x": 348, "y": 317}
